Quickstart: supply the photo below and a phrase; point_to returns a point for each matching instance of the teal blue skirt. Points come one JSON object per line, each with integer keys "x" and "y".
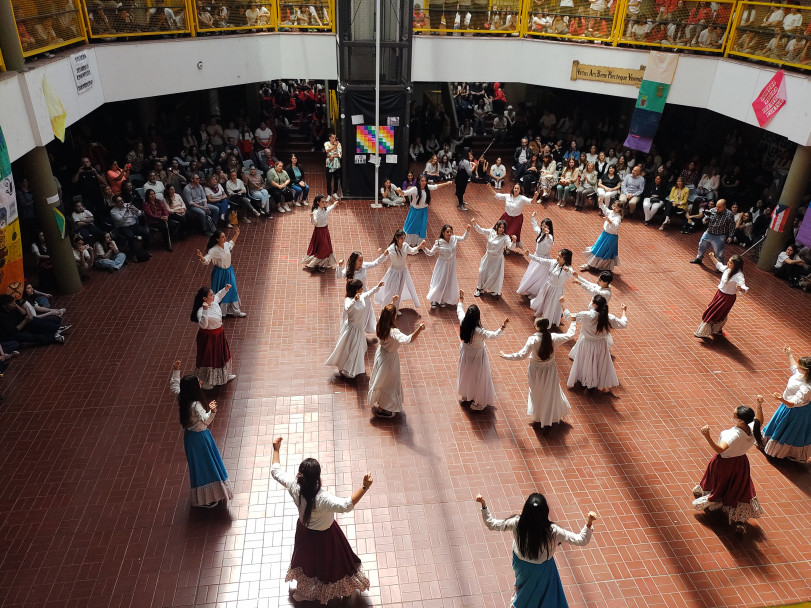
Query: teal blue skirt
{"x": 537, "y": 585}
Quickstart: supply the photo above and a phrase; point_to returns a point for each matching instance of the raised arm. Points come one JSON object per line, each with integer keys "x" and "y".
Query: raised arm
{"x": 521, "y": 354}
{"x": 718, "y": 448}
{"x": 499, "y": 525}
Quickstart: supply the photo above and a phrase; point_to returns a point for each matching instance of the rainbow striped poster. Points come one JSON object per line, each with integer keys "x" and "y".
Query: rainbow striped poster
{"x": 365, "y": 139}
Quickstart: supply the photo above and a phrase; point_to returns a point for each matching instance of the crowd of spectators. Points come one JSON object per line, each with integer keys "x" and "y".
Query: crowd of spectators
{"x": 775, "y": 32}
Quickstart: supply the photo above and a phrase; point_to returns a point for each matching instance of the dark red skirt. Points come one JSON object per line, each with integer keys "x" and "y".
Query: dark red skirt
{"x": 719, "y": 308}
{"x": 320, "y": 244}
{"x": 212, "y": 348}
{"x": 324, "y": 554}
{"x": 728, "y": 481}
{"x": 513, "y": 224}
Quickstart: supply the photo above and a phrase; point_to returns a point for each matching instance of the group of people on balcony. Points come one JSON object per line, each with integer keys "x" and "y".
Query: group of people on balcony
{"x": 774, "y": 32}
{"x": 38, "y": 29}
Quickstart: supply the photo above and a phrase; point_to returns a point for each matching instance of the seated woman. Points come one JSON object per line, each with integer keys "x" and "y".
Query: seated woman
{"x": 432, "y": 170}
{"x": 743, "y": 230}
{"x": 35, "y": 304}
{"x": 83, "y": 255}
{"x": 446, "y": 170}
{"x": 532, "y": 174}
{"x": 108, "y": 256}
{"x": 391, "y": 196}
{"x": 497, "y": 173}
{"x": 789, "y": 266}
{"x": 297, "y": 182}
{"x": 481, "y": 173}
{"x": 708, "y": 185}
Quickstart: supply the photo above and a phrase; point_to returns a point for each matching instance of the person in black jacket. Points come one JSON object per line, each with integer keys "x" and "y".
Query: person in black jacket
{"x": 521, "y": 159}
{"x": 17, "y": 326}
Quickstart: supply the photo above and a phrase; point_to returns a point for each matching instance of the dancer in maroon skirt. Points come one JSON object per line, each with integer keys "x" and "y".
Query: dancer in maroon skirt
{"x": 732, "y": 283}
{"x": 319, "y": 253}
{"x": 727, "y": 484}
{"x": 213, "y": 353}
{"x": 513, "y": 215}
{"x": 323, "y": 564}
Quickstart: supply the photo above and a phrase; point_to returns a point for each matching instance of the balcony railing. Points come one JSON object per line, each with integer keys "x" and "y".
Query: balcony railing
{"x": 233, "y": 16}
{"x": 44, "y": 25}
{"x": 136, "y": 19}
{"x": 305, "y": 16}
{"x": 777, "y": 33}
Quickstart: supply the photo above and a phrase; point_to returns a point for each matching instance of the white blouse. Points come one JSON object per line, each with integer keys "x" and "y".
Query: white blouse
{"x": 326, "y": 504}
{"x": 416, "y": 197}
{"x": 320, "y": 215}
{"x": 514, "y": 205}
{"x": 544, "y": 246}
{"x": 446, "y": 249}
{"x": 558, "y": 275}
{"x": 479, "y": 334}
{"x": 588, "y": 324}
{"x": 534, "y": 343}
{"x": 199, "y": 418}
{"x": 730, "y": 285}
{"x": 612, "y": 221}
{"x": 221, "y": 256}
{"x": 595, "y": 288}
{"x": 395, "y": 339}
{"x": 737, "y": 440}
{"x": 495, "y": 244}
{"x": 398, "y": 258}
{"x": 360, "y": 273}
{"x": 798, "y": 390}
{"x": 559, "y": 535}
{"x": 211, "y": 317}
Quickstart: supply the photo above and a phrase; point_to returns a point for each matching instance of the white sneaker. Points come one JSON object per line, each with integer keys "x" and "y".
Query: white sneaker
{"x": 281, "y": 209}
{"x": 231, "y": 377}
{"x": 287, "y": 207}
{"x": 206, "y": 387}
{"x": 298, "y": 203}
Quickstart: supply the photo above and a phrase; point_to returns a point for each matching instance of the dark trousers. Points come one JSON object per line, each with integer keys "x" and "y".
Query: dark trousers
{"x": 91, "y": 233}
{"x": 131, "y": 234}
{"x": 333, "y": 181}
{"x": 162, "y": 227}
{"x": 281, "y": 196}
{"x": 26, "y": 338}
{"x": 461, "y": 186}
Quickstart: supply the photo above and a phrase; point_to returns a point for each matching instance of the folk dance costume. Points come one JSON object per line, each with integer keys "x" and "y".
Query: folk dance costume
{"x": 727, "y": 483}
{"x": 789, "y": 430}
{"x": 385, "y": 387}
{"x": 350, "y": 351}
{"x": 397, "y": 280}
{"x": 360, "y": 275}
{"x": 536, "y": 273}
{"x": 474, "y": 382}
{"x": 213, "y": 353}
{"x": 537, "y": 581}
{"x": 222, "y": 274}
{"x": 444, "y": 287}
{"x": 416, "y": 221}
{"x": 491, "y": 267}
{"x": 547, "y": 303}
{"x": 319, "y": 251}
{"x": 207, "y": 474}
{"x": 547, "y": 403}
{"x": 604, "y": 254}
{"x": 595, "y": 290}
{"x": 592, "y": 365}
{"x": 715, "y": 317}
{"x": 323, "y": 563}
{"x": 514, "y": 213}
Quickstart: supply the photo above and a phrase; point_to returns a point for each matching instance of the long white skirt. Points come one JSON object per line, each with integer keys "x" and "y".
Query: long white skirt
{"x": 592, "y": 365}
{"x": 350, "y": 351}
{"x": 491, "y": 273}
{"x": 397, "y": 283}
{"x": 573, "y": 352}
{"x": 473, "y": 379}
{"x": 444, "y": 287}
{"x": 533, "y": 279}
{"x": 546, "y": 404}
{"x": 370, "y": 324}
{"x": 385, "y": 387}
{"x": 547, "y": 303}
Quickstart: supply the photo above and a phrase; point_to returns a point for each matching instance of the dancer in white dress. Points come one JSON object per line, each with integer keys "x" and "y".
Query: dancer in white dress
{"x": 536, "y": 273}
{"x": 444, "y": 287}
{"x": 356, "y": 269}
{"x": 350, "y": 351}
{"x": 491, "y": 268}
{"x": 397, "y": 278}
{"x": 603, "y": 288}
{"x": 474, "y": 382}
{"x": 547, "y": 303}
{"x": 385, "y": 388}
{"x": 546, "y": 404}
{"x": 593, "y": 366}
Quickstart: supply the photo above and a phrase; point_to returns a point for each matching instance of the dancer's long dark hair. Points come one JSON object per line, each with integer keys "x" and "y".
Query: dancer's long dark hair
{"x": 737, "y": 265}
{"x": 472, "y": 320}
{"x": 601, "y": 306}
{"x": 396, "y": 236}
{"x": 350, "y": 264}
{"x": 309, "y": 482}
{"x": 545, "y": 222}
{"x": 534, "y": 532}
{"x": 190, "y": 392}
{"x": 318, "y": 198}
{"x": 805, "y": 362}
{"x": 198, "y": 302}
{"x": 353, "y": 286}
{"x": 747, "y": 414}
{"x": 387, "y": 320}
{"x": 547, "y": 348}
{"x": 442, "y": 232}
{"x": 213, "y": 239}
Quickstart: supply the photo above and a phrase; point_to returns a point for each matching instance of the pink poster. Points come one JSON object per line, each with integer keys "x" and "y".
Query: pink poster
{"x": 771, "y": 98}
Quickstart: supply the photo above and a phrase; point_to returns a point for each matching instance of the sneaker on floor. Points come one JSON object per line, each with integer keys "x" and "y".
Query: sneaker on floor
{"x": 281, "y": 209}
{"x": 477, "y": 407}
{"x": 206, "y": 387}
{"x": 433, "y": 304}
{"x": 298, "y": 203}
{"x": 695, "y": 261}
{"x": 477, "y": 293}
{"x": 59, "y": 339}
{"x": 64, "y": 328}
{"x": 231, "y": 377}
{"x": 240, "y": 314}
{"x": 698, "y": 492}
{"x": 245, "y": 220}
{"x": 383, "y": 413}
{"x": 287, "y": 208}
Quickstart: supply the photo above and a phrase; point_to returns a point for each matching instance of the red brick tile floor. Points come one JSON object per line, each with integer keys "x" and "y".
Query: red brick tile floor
{"x": 94, "y": 496}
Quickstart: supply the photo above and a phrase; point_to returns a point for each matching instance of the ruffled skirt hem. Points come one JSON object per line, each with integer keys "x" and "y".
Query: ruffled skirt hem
{"x": 315, "y": 590}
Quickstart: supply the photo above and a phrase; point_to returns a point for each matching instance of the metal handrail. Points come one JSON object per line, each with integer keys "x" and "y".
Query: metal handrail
{"x": 52, "y": 40}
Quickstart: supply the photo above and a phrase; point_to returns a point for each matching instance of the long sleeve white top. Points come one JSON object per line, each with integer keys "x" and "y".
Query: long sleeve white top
{"x": 595, "y": 289}
{"x": 220, "y": 256}
{"x": 320, "y": 216}
{"x": 730, "y": 284}
{"x": 479, "y": 334}
{"x": 446, "y": 249}
{"x": 798, "y": 389}
{"x": 360, "y": 304}
{"x": 416, "y": 197}
{"x": 612, "y": 220}
{"x": 534, "y": 343}
{"x": 559, "y": 535}
{"x": 495, "y": 243}
{"x": 211, "y": 317}
{"x": 514, "y": 205}
{"x": 395, "y": 339}
{"x": 544, "y": 246}
{"x": 398, "y": 258}
{"x": 558, "y": 275}
{"x": 360, "y": 273}
{"x": 326, "y": 504}
{"x": 199, "y": 418}
{"x": 588, "y": 324}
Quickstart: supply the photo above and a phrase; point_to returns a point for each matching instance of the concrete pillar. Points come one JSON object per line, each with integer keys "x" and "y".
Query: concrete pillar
{"x": 795, "y": 187}
{"x": 9, "y": 39}
{"x": 40, "y": 178}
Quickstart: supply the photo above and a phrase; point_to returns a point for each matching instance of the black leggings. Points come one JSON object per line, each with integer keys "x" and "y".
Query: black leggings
{"x": 461, "y": 187}
{"x": 333, "y": 181}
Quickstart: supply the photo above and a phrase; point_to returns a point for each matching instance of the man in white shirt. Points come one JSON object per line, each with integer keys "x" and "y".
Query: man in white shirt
{"x": 632, "y": 188}
{"x": 84, "y": 222}
{"x": 153, "y": 184}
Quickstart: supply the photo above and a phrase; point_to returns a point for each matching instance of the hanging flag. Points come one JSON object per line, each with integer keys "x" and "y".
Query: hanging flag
{"x": 771, "y": 98}
{"x": 56, "y": 111}
{"x": 11, "y": 248}
{"x": 650, "y": 103}
{"x": 779, "y": 218}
